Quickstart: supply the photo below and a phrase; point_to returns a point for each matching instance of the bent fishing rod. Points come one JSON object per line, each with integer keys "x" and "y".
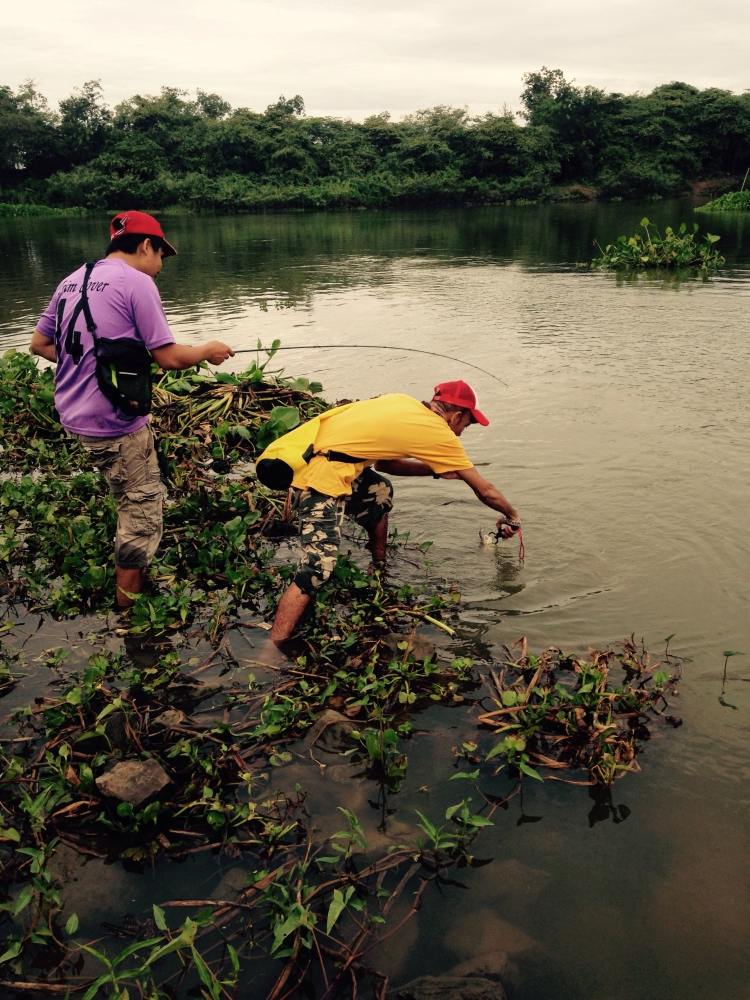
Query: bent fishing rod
{"x": 369, "y": 347}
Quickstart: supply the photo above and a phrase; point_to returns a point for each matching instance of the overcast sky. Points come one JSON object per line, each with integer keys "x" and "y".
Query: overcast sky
{"x": 351, "y": 58}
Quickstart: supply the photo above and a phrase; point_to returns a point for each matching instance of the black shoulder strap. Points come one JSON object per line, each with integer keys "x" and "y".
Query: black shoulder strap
{"x": 341, "y": 456}
{"x": 58, "y": 323}
{"x": 72, "y": 345}
{"x": 90, "y": 324}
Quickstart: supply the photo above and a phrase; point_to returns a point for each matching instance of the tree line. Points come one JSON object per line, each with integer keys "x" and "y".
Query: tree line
{"x": 174, "y": 149}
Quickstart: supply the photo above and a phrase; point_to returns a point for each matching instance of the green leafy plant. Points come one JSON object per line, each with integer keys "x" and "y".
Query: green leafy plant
{"x": 732, "y": 201}
{"x": 557, "y": 712}
{"x": 674, "y": 249}
{"x": 385, "y": 760}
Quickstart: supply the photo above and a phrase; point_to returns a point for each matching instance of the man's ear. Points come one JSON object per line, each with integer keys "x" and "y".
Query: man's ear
{"x": 145, "y": 246}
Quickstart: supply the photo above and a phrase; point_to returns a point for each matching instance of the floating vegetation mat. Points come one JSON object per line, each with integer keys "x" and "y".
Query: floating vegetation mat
{"x": 732, "y": 201}
{"x": 178, "y": 819}
{"x": 680, "y": 248}
{"x": 57, "y": 519}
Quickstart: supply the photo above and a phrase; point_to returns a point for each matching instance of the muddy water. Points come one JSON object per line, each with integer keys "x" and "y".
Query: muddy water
{"x": 621, "y": 431}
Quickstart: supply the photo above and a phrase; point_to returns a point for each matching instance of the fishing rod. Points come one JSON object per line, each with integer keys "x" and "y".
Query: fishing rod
{"x": 370, "y": 347}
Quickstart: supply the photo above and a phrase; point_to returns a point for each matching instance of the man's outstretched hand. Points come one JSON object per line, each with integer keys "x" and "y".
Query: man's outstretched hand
{"x": 507, "y": 528}
{"x": 217, "y": 352}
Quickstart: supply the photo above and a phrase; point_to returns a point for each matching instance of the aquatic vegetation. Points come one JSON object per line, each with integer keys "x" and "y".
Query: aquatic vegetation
{"x": 558, "y": 712}
{"x": 675, "y": 249}
{"x": 147, "y": 752}
{"x": 218, "y": 797}
{"x": 57, "y": 518}
{"x": 732, "y": 201}
{"x": 8, "y": 661}
{"x": 15, "y": 210}
{"x": 315, "y": 906}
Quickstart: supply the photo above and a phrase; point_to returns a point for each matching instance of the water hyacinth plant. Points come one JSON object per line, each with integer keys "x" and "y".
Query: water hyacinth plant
{"x": 732, "y": 201}
{"x": 561, "y": 713}
{"x": 675, "y": 249}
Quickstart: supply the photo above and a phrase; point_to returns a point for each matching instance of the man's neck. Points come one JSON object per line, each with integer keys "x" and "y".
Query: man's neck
{"x": 131, "y": 259}
{"x": 436, "y": 408}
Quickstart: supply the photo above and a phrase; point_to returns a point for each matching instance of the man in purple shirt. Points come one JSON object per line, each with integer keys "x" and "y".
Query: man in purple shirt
{"x": 123, "y": 304}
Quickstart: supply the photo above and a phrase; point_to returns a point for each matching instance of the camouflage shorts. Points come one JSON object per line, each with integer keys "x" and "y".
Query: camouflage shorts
{"x": 321, "y": 518}
{"x": 130, "y": 466}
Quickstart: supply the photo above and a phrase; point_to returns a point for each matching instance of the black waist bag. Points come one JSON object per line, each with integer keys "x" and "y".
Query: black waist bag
{"x": 123, "y": 374}
{"x": 123, "y": 367}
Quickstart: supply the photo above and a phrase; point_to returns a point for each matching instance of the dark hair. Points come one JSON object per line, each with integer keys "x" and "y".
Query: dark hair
{"x": 130, "y": 242}
{"x": 448, "y": 408}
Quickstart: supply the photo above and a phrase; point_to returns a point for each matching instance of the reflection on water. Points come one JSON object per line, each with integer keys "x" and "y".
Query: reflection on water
{"x": 623, "y": 436}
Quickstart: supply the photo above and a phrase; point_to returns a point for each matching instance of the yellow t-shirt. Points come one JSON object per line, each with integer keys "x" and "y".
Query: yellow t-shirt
{"x": 391, "y": 426}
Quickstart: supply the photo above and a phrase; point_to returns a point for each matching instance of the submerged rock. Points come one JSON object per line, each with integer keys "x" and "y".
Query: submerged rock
{"x": 133, "y": 781}
{"x": 493, "y": 964}
{"x": 330, "y": 729}
{"x": 417, "y": 644}
{"x": 170, "y": 718}
{"x": 450, "y": 988}
{"x": 116, "y": 731}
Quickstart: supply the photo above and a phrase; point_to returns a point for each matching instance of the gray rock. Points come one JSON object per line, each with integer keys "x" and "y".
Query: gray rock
{"x": 334, "y": 726}
{"x": 491, "y": 964}
{"x": 133, "y": 781}
{"x": 115, "y": 731}
{"x": 418, "y": 645}
{"x": 343, "y": 774}
{"x": 449, "y": 988}
{"x": 170, "y": 718}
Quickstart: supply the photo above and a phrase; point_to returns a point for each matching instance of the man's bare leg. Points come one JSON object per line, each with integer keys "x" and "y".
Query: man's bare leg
{"x": 378, "y": 541}
{"x": 293, "y": 604}
{"x": 127, "y": 581}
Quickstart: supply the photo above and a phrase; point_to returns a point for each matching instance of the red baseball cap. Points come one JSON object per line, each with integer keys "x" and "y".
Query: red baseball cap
{"x": 460, "y": 394}
{"x": 141, "y": 223}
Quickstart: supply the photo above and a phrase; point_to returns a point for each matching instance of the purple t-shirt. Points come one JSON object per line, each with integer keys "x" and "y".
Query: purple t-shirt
{"x": 124, "y": 302}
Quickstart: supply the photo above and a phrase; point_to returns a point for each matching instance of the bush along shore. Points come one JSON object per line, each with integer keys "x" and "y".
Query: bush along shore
{"x": 156, "y": 739}
{"x": 198, "y": 152}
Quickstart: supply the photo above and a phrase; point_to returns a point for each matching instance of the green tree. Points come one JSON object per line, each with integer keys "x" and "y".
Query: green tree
{"x": 27, "y": 135}
{"x": 84, "y": 125}
{"x": 212, "y": 105}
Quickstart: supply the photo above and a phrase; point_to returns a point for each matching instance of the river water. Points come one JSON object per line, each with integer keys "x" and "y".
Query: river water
{"x": 621, "y": 432}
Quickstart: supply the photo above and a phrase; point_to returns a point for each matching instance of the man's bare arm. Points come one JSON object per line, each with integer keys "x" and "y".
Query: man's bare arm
{"x": 489, "y": 495}
{"x": 43, "y": 347}
{"x": 403, "y": 467}
{"x": 176, "y": 357}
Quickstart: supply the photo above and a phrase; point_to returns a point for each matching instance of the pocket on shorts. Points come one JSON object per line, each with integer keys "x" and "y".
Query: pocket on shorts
{"x": 106, "y": 457}
{"x": 142, "y": 509}
{"x": 103, "y": 454}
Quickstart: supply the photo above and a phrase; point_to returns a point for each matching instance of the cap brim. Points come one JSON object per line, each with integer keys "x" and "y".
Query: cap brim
{"x": 169, "y": 249}
{"x": 480, "y": 418}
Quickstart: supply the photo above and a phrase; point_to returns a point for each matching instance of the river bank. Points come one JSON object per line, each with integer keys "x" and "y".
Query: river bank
{"x": 440, "y": 192}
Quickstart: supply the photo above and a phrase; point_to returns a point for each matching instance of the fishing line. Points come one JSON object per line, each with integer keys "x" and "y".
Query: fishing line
{"x": 371, "y": 347}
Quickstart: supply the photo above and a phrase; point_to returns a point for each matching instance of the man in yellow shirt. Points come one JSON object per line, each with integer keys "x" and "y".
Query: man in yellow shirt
{"x": 395, "y": 434}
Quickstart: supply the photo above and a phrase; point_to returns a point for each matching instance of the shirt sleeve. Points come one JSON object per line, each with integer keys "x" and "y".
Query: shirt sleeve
{"x": 148, "y": 312}
{"x": 48, "y": 319}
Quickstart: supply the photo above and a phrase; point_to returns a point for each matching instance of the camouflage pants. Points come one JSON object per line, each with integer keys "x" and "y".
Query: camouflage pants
{"x": 321, "y": 518}
{"x": 131, "y": 468}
